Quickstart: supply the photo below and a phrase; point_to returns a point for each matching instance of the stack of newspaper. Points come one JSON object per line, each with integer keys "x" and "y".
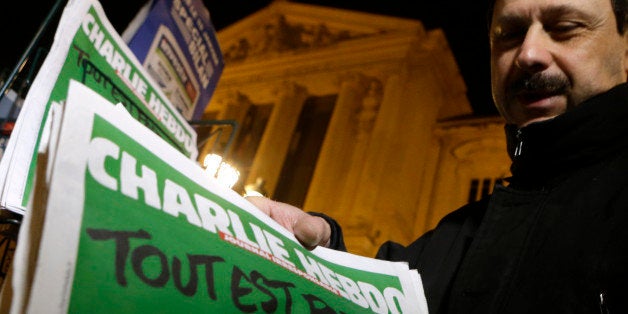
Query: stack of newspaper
{"x": 86, "y": 48}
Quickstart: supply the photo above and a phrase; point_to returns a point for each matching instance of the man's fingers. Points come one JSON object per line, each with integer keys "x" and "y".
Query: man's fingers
{"x": 260, "y": 202}
{"x": 285, "y": 214}
{"x": 310, "y": 230}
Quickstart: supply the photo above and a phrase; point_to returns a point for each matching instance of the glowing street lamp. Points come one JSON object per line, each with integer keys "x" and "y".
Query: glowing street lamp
{"x": 224, "y": 173}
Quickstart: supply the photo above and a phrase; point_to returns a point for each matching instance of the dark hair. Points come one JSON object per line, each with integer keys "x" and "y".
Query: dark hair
{"x": 620, "y": 8}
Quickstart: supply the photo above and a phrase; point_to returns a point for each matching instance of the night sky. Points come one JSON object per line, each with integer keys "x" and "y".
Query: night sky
{"x": 463, "y": 21}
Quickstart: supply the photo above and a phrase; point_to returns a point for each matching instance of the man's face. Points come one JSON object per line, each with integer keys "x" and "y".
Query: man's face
{"x": 550, "y": 55}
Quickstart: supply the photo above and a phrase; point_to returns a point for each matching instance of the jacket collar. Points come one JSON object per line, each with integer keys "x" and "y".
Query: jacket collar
{"x": 591, "y": 131}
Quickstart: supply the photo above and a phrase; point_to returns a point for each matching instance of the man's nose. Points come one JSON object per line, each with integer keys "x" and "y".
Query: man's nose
{"x": 534, "y": 53}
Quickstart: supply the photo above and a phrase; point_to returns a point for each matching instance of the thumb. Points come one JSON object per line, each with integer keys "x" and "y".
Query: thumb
{"x": 312, "y": 231}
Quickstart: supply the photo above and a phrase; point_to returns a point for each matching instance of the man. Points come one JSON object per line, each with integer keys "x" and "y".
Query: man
{"x": 555, "y": 239}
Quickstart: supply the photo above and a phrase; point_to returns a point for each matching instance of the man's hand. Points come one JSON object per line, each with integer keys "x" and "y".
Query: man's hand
{"x": 310, "y": 230}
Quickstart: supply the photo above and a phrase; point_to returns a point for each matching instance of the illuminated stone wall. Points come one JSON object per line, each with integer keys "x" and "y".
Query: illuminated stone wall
{"x": 397, "y": 152}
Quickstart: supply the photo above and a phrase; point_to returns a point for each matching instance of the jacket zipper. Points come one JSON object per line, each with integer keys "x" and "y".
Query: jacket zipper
{"x": 603, "y": 305}
{"x": 519, "y": 147}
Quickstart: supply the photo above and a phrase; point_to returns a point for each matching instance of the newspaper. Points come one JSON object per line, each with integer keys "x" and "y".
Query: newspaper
{"x": 176, "y": 42}
{"x": 87, "y": 48}
{"x": 122, "y": 222}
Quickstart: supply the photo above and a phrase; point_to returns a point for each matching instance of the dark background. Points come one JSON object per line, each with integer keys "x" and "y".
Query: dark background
{"x": 463, "y": 21}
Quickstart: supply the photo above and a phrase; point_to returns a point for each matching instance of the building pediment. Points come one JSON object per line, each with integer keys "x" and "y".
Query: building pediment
{"x": 290, "y": 28}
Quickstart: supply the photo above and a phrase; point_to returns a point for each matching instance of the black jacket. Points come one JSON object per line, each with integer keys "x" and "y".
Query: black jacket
{"x": 555, "y": 240}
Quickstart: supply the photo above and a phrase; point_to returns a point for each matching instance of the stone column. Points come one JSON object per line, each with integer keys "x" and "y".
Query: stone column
{"x": 235, "y": 108}
{"x": 275, "y": 142}
{"x": 329, "y": 179}
{"x": 362, "y": 125}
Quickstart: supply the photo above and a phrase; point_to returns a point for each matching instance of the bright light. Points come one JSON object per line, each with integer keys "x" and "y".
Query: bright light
{"x": 252, "y": 193}
{"x": 256, "y": 188}
{"x": 212, "y": 163}
{"x": 224, "y": 173}
{"x": 227, "y": 175}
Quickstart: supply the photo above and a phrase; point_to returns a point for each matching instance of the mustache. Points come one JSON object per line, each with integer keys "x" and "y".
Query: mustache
{"x": 540, "y": 83}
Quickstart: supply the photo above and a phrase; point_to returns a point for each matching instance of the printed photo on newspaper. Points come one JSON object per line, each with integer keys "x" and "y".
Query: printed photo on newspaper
{"x": 129, "y": 224}
{"x": 176, "y": 42}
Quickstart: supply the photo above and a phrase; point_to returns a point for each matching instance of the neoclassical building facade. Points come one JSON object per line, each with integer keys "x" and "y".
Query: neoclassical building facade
{"x": 360, "y": 116}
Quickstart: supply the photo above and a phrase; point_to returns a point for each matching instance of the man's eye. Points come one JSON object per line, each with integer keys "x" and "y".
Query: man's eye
{"x": 503, "y": 35}
{"x": 563, "y": 28}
